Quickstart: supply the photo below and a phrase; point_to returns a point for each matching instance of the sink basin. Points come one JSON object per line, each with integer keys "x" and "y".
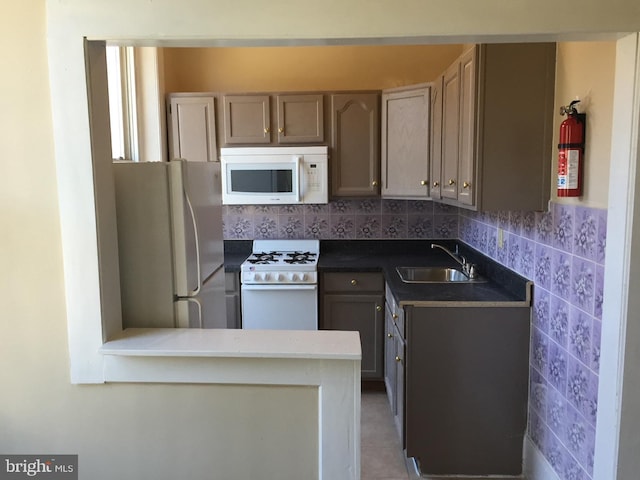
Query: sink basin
{"x": 432, "y": 275}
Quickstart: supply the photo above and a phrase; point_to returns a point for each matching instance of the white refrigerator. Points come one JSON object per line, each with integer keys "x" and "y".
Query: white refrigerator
{"x": 169, "y": 220}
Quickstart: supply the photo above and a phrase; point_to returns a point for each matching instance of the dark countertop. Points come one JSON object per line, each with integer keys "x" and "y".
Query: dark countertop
{"x": 502, "y": 288}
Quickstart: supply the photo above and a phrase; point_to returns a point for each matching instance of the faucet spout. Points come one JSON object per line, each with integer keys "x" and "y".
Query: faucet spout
{"x": 468, "y": 269}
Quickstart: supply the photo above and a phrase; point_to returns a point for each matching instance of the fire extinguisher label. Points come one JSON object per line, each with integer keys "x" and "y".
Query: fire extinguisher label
{"x": 568, "y": 162}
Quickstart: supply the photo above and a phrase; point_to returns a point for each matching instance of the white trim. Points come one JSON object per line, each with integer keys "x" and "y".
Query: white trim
{"x": 536, "y": 466}
{"x": 616, "y": 448}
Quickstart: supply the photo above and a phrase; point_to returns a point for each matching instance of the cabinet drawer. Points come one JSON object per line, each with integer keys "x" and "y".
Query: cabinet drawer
{"x": 353, "y": 282}
{"x": 396, "y": 312}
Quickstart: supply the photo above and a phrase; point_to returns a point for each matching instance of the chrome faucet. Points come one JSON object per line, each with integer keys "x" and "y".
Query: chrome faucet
{"x": 469, "y": 269}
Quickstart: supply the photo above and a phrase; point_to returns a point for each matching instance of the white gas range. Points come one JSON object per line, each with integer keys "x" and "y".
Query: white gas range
{"x": 280, "y": 285}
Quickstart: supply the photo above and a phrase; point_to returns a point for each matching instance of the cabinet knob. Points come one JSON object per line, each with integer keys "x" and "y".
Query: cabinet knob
{"x": 267, "y": 130}
{"x": 452, "y": 181}
{"x": 436, "y": 184}
{"x": 389, "y": 335}
{"x": 394, "y": 316}
{"x": 466, "y": 184}
{"x": 378, "y": 308}
{"x": 398, "y": 359}
{"x": 281, "y": 130}
{"x": 354, "y": 282}
{"x": 374, "y": 183}
{"x": 424, "y": 182}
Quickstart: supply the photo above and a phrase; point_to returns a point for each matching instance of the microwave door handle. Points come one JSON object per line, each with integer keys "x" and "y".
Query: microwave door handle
{"x": 300, "y": 177}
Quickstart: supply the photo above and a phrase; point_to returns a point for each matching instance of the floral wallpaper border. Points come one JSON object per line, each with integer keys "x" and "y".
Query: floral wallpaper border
{"x": 369, "y": 218}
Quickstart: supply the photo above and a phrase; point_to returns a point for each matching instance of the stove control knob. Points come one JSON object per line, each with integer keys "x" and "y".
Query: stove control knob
{"x": 257, "y": 277}
{"x": 267, "y": 277}
{"x": 279, "y": 277}
{"x": 291, "y": 277}
{"x": 303, "y": 277}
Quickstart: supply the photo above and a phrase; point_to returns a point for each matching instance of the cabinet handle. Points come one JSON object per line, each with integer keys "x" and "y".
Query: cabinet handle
{"x": 354, "y": 282}
{"x": 466, "y": 185}
{"x": 378, "y": 308}
{"x": 267, "y": 130}
{"x": 436, "y": 184}
{"x": 374, "y": 183}
{"x": 389, "y": 335}
{"x": 424, "y": 182}
{"x": 394, "y": 316}
{"x": 452, "y": 181}
{"x": 398, "y": 359}
{"x": 281, "y": 130}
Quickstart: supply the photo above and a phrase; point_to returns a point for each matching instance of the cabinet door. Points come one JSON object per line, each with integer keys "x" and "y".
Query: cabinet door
{"x": 390, "y": 359}
{"x": 247, "y": 119}
{"x": 399, "y": 359}
{"x": 192, "y": 128}
{"x": 405, "y": 143}
{"x": 450, "y": 131}
{"x": 300, "y": 119}
{"x": 467, "y": 160}
{"x": 364, "y": 314}
{"x": 355, "y": 144}
{"x": 232, "y": 297}
{"x": 436, "y": 137}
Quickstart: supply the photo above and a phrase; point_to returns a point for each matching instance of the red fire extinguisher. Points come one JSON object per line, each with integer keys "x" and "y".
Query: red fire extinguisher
{"x": 571, "y": 151}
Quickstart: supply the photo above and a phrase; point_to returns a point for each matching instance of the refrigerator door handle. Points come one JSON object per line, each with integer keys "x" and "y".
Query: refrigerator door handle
{"x": 198, "y": 305}
{"x": 192, "y": 214}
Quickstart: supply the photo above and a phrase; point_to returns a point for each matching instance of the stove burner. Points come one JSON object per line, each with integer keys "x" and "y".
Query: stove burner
{"x": 300, "y": 257}
{"x": 264, "y": 258}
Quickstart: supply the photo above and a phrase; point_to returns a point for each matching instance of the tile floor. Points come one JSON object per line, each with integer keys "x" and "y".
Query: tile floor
{"x": 381, "y": 450}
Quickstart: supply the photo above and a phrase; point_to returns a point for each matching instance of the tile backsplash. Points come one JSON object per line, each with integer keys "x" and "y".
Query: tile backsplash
{"x": 367, "y": 218}
{"x": 562, "y": 252}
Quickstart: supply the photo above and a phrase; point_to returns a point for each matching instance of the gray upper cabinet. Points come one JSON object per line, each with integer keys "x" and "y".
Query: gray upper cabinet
{"x": 355, "y": 144}
{"x": 450, "y": 132}
{"x": 497, "y": 119}
{"x": 300, "y": 118}
{"x": 247, "y": 119}
{"x": 192, "y": 127}
{"x": 436, "y": 137}
{"x": 405, "y": 142}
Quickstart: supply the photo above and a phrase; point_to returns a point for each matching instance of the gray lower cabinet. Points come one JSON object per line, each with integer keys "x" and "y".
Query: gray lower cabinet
{"x": 466, "y": 382}
{"x": 355, "y": 302}
{"x": 394, "y": 355}
{"x": 232, "y": 297}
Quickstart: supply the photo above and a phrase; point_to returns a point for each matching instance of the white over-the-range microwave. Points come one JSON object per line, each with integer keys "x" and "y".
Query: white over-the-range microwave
{"x": 274, "y": 175}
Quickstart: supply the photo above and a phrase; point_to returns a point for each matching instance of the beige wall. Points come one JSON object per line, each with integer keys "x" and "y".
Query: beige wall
{"x": 119, "y": 431}
{"x": 586, "y": 71}
{"x": 304, "y": 68}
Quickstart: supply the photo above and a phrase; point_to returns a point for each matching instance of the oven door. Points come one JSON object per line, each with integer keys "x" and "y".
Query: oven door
{"x": 261, "y": 181}
{"x": 279, "y": 307}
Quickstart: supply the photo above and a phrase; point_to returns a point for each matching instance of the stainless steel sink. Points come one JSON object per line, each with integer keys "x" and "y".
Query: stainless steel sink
{"x": 433, "y": 275}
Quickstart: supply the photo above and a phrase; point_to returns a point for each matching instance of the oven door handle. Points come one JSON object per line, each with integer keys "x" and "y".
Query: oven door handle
{"x": 278, "y": 287}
